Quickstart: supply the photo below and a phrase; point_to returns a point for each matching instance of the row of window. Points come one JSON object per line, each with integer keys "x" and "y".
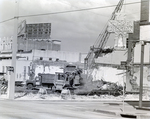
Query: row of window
{"x": 50, "y": 59}
{"x": 6, "y": 41}
{"x": 30, "y": 33}
{"x": 39, "y": 29}
{"x": 6, "y": 46}
{"x": 40, "y": 24}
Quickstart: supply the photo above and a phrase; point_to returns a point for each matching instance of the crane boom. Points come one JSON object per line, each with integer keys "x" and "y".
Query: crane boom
{"x": 103, "y": 40}
{"x": 106, "y": 34}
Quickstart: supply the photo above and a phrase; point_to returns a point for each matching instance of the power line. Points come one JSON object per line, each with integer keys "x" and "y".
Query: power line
{"x": 52, "y": 13}
{"x": 6, "y": 20}
{"x": 88, "y": 11}
{"x": 78, "y": 10}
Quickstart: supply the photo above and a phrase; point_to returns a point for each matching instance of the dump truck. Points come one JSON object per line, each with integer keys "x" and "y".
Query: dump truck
{"x": 58, "y": 81}
{"x": 45, "y": 80}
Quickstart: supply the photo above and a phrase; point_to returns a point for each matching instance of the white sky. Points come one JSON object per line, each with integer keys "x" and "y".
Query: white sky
{"x": 77, "y": 30}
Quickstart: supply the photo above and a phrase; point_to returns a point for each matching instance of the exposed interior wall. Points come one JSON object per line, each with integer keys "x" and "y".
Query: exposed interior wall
{"x": 109, "y": 74}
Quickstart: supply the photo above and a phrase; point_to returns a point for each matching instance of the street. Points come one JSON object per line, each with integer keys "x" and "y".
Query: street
{"x": 13, "y": 109}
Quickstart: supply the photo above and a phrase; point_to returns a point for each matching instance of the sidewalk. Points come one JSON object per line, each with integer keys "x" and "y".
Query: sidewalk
{"x": 127, "y": 110}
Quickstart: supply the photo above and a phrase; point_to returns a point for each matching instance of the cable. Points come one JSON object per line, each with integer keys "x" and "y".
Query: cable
{"x": 67, "y": 11}
{"x": 6, "y": 20}
{"x": 52, "y": 13}
{"x": 88, "y": 11}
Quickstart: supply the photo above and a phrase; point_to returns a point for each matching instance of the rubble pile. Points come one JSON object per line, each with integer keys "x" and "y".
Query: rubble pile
{"x": 100, "y": 87}
{"x": 103, "y": 80}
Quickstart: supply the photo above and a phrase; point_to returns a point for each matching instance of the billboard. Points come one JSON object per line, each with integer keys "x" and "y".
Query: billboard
{"x": 121, "y": 28}
{"x": 38, "y": 31}
{"x": 22, "y": 28}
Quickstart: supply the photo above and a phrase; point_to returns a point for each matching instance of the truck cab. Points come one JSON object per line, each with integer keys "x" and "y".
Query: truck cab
{"x": 61, "y": 81}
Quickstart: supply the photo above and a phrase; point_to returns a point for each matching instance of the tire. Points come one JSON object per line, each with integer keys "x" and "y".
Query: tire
{"x": 30, "y": 86}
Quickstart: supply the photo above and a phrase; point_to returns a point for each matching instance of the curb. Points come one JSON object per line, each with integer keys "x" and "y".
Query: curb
{"x": 106, "y": 112}
{"x": 143, "y": 117}
{"x": 135, "y": 116}
{"x": 143, "y": 108}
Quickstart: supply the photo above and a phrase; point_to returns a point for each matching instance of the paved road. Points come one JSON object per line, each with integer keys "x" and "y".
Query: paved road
{"x": 51, "y": 110}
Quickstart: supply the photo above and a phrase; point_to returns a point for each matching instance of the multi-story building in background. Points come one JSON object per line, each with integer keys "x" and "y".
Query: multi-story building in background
{"x": 36, "y": 36}
{"x": 6, "y": 44}
{"x": 34, "y": 43}
{"x": 31, "y": 37}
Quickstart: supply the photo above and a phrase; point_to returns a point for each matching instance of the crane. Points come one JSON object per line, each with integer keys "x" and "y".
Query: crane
{"x": 95, "y": 52}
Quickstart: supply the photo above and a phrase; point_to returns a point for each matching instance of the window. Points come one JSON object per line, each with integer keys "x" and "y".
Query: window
{"x": 61, "y": 77}
{"x": 50, "y": 59}
{"x": 41, "y": 58}
{"x": 19, "y": 75}
{"x": 3, "y": 68}
{"x": 3, "y": 46}
{"x": 57, "y": 59}
{"x": 29, "y": 70}
{"x": 11, "y": 45}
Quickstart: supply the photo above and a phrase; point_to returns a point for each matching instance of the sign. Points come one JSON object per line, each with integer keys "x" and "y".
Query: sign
{"x": 38, "y": 31}
{"x": 121, "y": 28}
{"x": 10, "y": 68}
{"x": 22, "y": 28}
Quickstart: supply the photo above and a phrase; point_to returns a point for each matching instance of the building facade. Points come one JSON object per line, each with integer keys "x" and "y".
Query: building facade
{"x": 34, "y": 43}
{"x": 24, "y": 60}
{"x": 36, "y": 36}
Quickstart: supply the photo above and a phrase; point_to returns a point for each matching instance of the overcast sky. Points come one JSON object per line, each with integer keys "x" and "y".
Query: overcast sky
{"x": 77, "y": 30}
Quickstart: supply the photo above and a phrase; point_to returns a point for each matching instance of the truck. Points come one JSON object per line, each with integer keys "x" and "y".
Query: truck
{"x": 58, "y": 81}
{"x": 46, "y": 80}
{"x": 71, "y": 78}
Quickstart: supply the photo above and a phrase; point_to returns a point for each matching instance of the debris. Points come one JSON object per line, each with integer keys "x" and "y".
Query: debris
{"x": 42, "y": 91}
{"x": 65, "y": 94}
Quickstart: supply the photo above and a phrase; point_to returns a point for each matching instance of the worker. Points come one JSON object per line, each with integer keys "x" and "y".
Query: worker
{"x": 71, "y": 79}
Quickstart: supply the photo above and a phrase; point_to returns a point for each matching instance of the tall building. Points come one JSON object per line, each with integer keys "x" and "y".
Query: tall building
{"x": 36, "y": 36}
{"x": 31, "y": 37}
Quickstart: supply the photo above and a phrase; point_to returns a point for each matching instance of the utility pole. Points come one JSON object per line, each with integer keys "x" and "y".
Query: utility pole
{"x": 11, "y": 80}
{"x": 141, "y": 74}
{"x": 144, "y": 19}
